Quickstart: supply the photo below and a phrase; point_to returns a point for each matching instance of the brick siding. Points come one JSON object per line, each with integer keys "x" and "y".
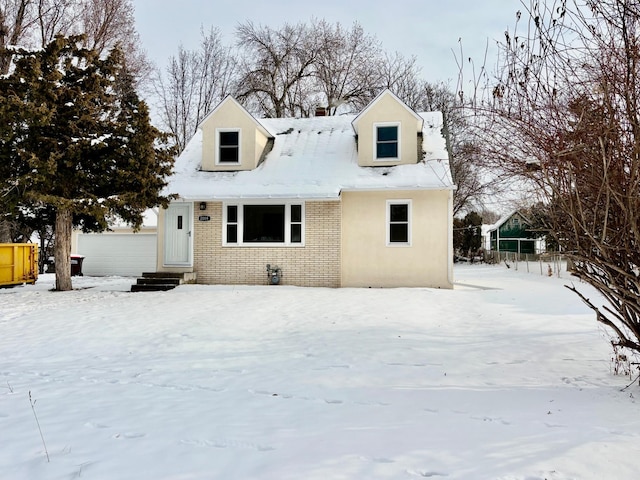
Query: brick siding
{"x": 317, "y": 264}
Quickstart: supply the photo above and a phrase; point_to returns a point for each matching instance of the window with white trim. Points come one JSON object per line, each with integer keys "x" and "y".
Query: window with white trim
{"x": 232, "y": 224}
{"x": 398, "y": 222}
{"x": 296, "y": 224}
{"x": 228, "y": 146}
{"x": 387, "y": 141}
{"x": 263, "y": 224}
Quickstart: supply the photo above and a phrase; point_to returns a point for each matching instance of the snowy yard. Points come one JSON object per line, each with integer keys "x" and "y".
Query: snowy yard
{"x": 507, "y": 376}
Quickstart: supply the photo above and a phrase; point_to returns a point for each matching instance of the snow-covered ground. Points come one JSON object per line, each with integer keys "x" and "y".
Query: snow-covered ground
{"x": 508, "y": 376}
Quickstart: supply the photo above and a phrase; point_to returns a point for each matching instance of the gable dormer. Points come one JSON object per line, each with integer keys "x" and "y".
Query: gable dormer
{"x": 516, "y": 224}
{"x": 387, "y": 132}
{"x": 232, "y": 139}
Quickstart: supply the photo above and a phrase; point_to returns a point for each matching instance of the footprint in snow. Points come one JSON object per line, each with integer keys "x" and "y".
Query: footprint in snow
{"x": 129, "y": 435}
{"x": 372, "y": 404}
{"x": 227, "y": 443}
{"x": 383, "y": 460}
{"x": 554, "y": 425}
{"x": 95, "y": 425}
{"x": 492, "y": 419}
{"x": 330, "y": 401}
{"x": 427, "y": 473}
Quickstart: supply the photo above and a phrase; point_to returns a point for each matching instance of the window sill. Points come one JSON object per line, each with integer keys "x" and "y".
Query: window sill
{"x": 263, "y": 245}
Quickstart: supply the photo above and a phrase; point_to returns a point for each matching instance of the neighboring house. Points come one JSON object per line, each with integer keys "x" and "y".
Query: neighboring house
{"x": 512, "y": 233}
{"x": 343, "y": 201}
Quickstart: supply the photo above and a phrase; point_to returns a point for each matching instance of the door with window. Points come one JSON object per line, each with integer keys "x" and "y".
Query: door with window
{"x": 177, "y": 241}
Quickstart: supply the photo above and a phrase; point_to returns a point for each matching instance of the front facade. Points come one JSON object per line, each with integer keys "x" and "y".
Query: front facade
{"x": 370, "y": 257}
{"x": 344, "y": 201}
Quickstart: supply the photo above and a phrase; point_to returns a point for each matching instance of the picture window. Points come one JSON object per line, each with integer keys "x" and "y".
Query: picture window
{"x": 263, "y": 224}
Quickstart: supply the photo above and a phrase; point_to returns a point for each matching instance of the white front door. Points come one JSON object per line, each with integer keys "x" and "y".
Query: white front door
{"x": 177, "y": 236}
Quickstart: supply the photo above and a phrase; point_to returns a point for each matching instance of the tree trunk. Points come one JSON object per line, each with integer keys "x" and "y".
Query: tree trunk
{"x": 62, "y": 251}
{"x": 11, "y": 36}
{"x": 5, "y": 232}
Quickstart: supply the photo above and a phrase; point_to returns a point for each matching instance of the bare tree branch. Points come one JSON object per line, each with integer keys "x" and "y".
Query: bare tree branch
{"x": 563, "y": 115}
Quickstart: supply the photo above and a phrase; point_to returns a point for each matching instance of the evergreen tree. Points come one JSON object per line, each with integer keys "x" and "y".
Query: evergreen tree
{"x": 467, "y": 234}
{"x": 473, "y": 232}
{"x": 78, "y": 139}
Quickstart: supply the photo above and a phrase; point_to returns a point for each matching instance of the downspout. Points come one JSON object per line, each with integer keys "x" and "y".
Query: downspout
{"x": 450, "y": 238}
{"x": 447, "y": 140}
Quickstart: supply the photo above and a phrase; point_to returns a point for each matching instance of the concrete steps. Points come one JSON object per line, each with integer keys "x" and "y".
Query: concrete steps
{"x": 162, "y": 281}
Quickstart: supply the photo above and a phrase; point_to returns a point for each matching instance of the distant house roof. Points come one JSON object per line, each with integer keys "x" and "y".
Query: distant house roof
{"x": 504, "y": 220}
{"x": 312, "y": 158}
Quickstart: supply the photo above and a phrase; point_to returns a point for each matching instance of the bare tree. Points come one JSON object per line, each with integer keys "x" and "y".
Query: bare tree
{"x": 276, "y": 69}
{"x": 564, "y": 116}
{"x": 347, "y": 65}
{"x": 108, "y": 23}
{"x": 193, "y": 83}
{"x": 401, "y": 75}
{"x": 14, "y": 17}
{"x": 473, "y": 182}
{"x": 53, "y": 17}
{"x": 105, "y": 23}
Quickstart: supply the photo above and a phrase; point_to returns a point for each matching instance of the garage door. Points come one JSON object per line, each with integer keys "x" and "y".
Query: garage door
{"x": 125, "y": 255}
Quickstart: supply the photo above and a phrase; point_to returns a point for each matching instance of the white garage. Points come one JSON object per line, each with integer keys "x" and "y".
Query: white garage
{"x": 121, "y": 254}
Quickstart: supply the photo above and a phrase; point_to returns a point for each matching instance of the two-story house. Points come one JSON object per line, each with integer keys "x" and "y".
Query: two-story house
{"x": 338, "y": 201}
{"x": 512, "y": 233}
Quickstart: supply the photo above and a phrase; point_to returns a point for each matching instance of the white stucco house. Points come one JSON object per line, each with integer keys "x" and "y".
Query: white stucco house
{"x": 345, "y": 201}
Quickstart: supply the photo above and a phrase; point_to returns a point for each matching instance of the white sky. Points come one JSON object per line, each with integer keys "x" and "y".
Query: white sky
{"x": 428, "y": 29}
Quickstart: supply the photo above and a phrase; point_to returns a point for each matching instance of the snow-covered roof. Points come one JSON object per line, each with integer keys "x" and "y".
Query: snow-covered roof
{"x": 312, "y": 158}
{"x": 504, "y": 219}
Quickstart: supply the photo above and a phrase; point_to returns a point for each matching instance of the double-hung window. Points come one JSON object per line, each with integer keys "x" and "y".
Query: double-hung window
{"x": 231, "y": 234}
{"x": 228, "y": 147}
{"x": 387, "y": 144}
{"x": 399, "y": 222}
{"x": 263, "y": 224}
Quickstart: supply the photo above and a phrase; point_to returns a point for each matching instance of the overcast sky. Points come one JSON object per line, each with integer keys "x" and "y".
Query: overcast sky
{"x": 428, "y": 29}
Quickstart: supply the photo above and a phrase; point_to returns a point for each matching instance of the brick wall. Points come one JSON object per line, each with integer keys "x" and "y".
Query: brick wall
{"x": 317, "y": 264}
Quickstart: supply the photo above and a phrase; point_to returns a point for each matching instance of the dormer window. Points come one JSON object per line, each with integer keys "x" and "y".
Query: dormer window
{"x": 228, "y": 152}
{"x": 387, "y": 145}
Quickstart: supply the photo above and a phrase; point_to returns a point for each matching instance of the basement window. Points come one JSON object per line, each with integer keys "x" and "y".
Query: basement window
{"x": 263, "y": 224}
